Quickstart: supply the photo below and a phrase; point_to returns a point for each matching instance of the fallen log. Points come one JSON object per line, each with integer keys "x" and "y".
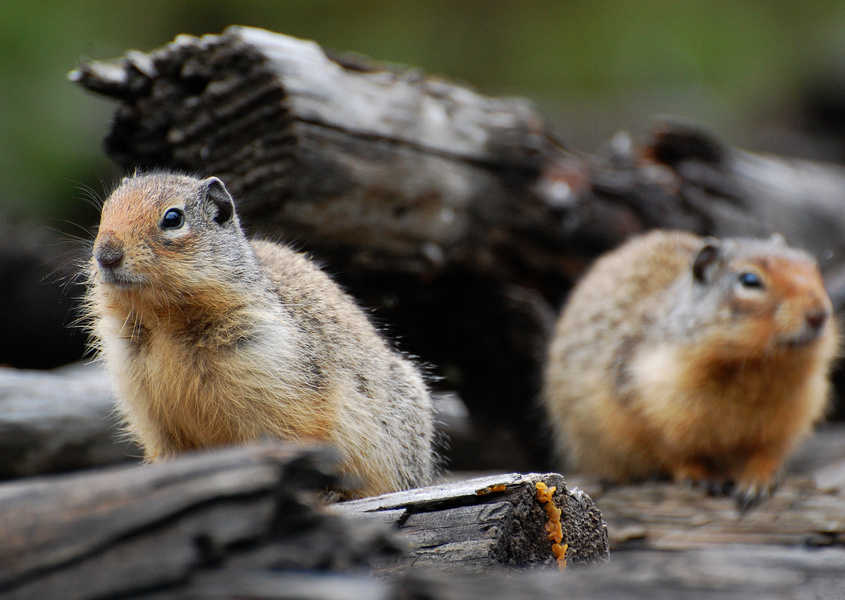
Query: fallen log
{"x": 382, "y": 169}
{"x": 52, "y": 422}
{"x": 55, "y": 421}
{"x": 705, "y": 574}
{"x": 662, "y": 535}
{"x": 459, "y": 217}
{"x": 121, "y": 531}
{"x": 664, "y": 516}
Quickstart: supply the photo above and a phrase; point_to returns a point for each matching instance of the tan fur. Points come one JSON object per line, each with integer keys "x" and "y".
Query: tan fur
{"x": 653, "y": 372}
{"x": 211, "y": 339}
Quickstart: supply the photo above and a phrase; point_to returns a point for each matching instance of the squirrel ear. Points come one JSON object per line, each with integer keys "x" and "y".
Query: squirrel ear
{"x": 708, "y": 258}
{"x": 216, "y": 201}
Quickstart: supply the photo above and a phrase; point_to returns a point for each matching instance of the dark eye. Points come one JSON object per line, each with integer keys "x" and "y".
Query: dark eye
{"x": 174, "y": 218}
{"x": 750, "y": 280}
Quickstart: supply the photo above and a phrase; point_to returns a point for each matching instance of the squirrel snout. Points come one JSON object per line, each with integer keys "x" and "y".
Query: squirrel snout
{"x": 108, "y": 252}
{"x": 816, "y": 319}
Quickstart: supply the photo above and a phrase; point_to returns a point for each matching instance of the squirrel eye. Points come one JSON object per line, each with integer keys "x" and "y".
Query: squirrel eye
{"x": 174, "y": 218}
{"x": 750, "y": 280}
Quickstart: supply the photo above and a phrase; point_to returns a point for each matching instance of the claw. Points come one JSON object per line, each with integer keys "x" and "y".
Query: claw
{"x": 749, "y": 496}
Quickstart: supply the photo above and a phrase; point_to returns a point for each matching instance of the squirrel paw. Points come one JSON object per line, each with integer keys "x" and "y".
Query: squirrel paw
{"x": 747, "y": 494}
{"x": 751, "y": 494}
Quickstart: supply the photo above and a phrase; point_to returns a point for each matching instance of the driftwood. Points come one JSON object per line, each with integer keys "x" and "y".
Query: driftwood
{"x": 458, "y": 216}
{"x": 117, "y": 531}
{"x": 152, "y": 530}
{"x": 242, "y": 523}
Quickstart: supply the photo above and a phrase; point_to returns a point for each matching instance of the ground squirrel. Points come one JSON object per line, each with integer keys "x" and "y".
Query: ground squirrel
{"x": 213, "y": 339}
{"x": 702, "y": 359}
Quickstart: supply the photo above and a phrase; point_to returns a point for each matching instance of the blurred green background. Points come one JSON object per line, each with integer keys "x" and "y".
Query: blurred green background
{"x": 741, "y": 68}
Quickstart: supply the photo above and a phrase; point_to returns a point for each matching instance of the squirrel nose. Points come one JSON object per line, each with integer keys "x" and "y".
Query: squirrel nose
{"x": 816, "y": 319}
{"x": 108, "y": 252}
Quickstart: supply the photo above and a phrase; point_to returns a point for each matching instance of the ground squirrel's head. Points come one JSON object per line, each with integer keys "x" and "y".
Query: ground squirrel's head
{"x": 168, "y": 234}
{"x": 769, "y": 294}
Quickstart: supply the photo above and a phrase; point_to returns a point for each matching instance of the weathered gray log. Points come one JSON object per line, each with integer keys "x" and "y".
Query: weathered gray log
{"x": 195, "y": 525}
{"x": 705, "y": 574}
{"x": 352, "y": 157}
{"x": 52, "y": 421}
{"x": 58, "y": 421}
{"x": 417, "y": 175}
{"x": 496, "y": 520}
{"x": 459, "y": 217}
{"x": 665, "y": 516}
{"x": 124, "y": 531}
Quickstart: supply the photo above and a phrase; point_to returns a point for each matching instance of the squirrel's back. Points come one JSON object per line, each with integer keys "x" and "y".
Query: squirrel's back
{"x": 212, "y": 339}
{"x": 701, "y": 359}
